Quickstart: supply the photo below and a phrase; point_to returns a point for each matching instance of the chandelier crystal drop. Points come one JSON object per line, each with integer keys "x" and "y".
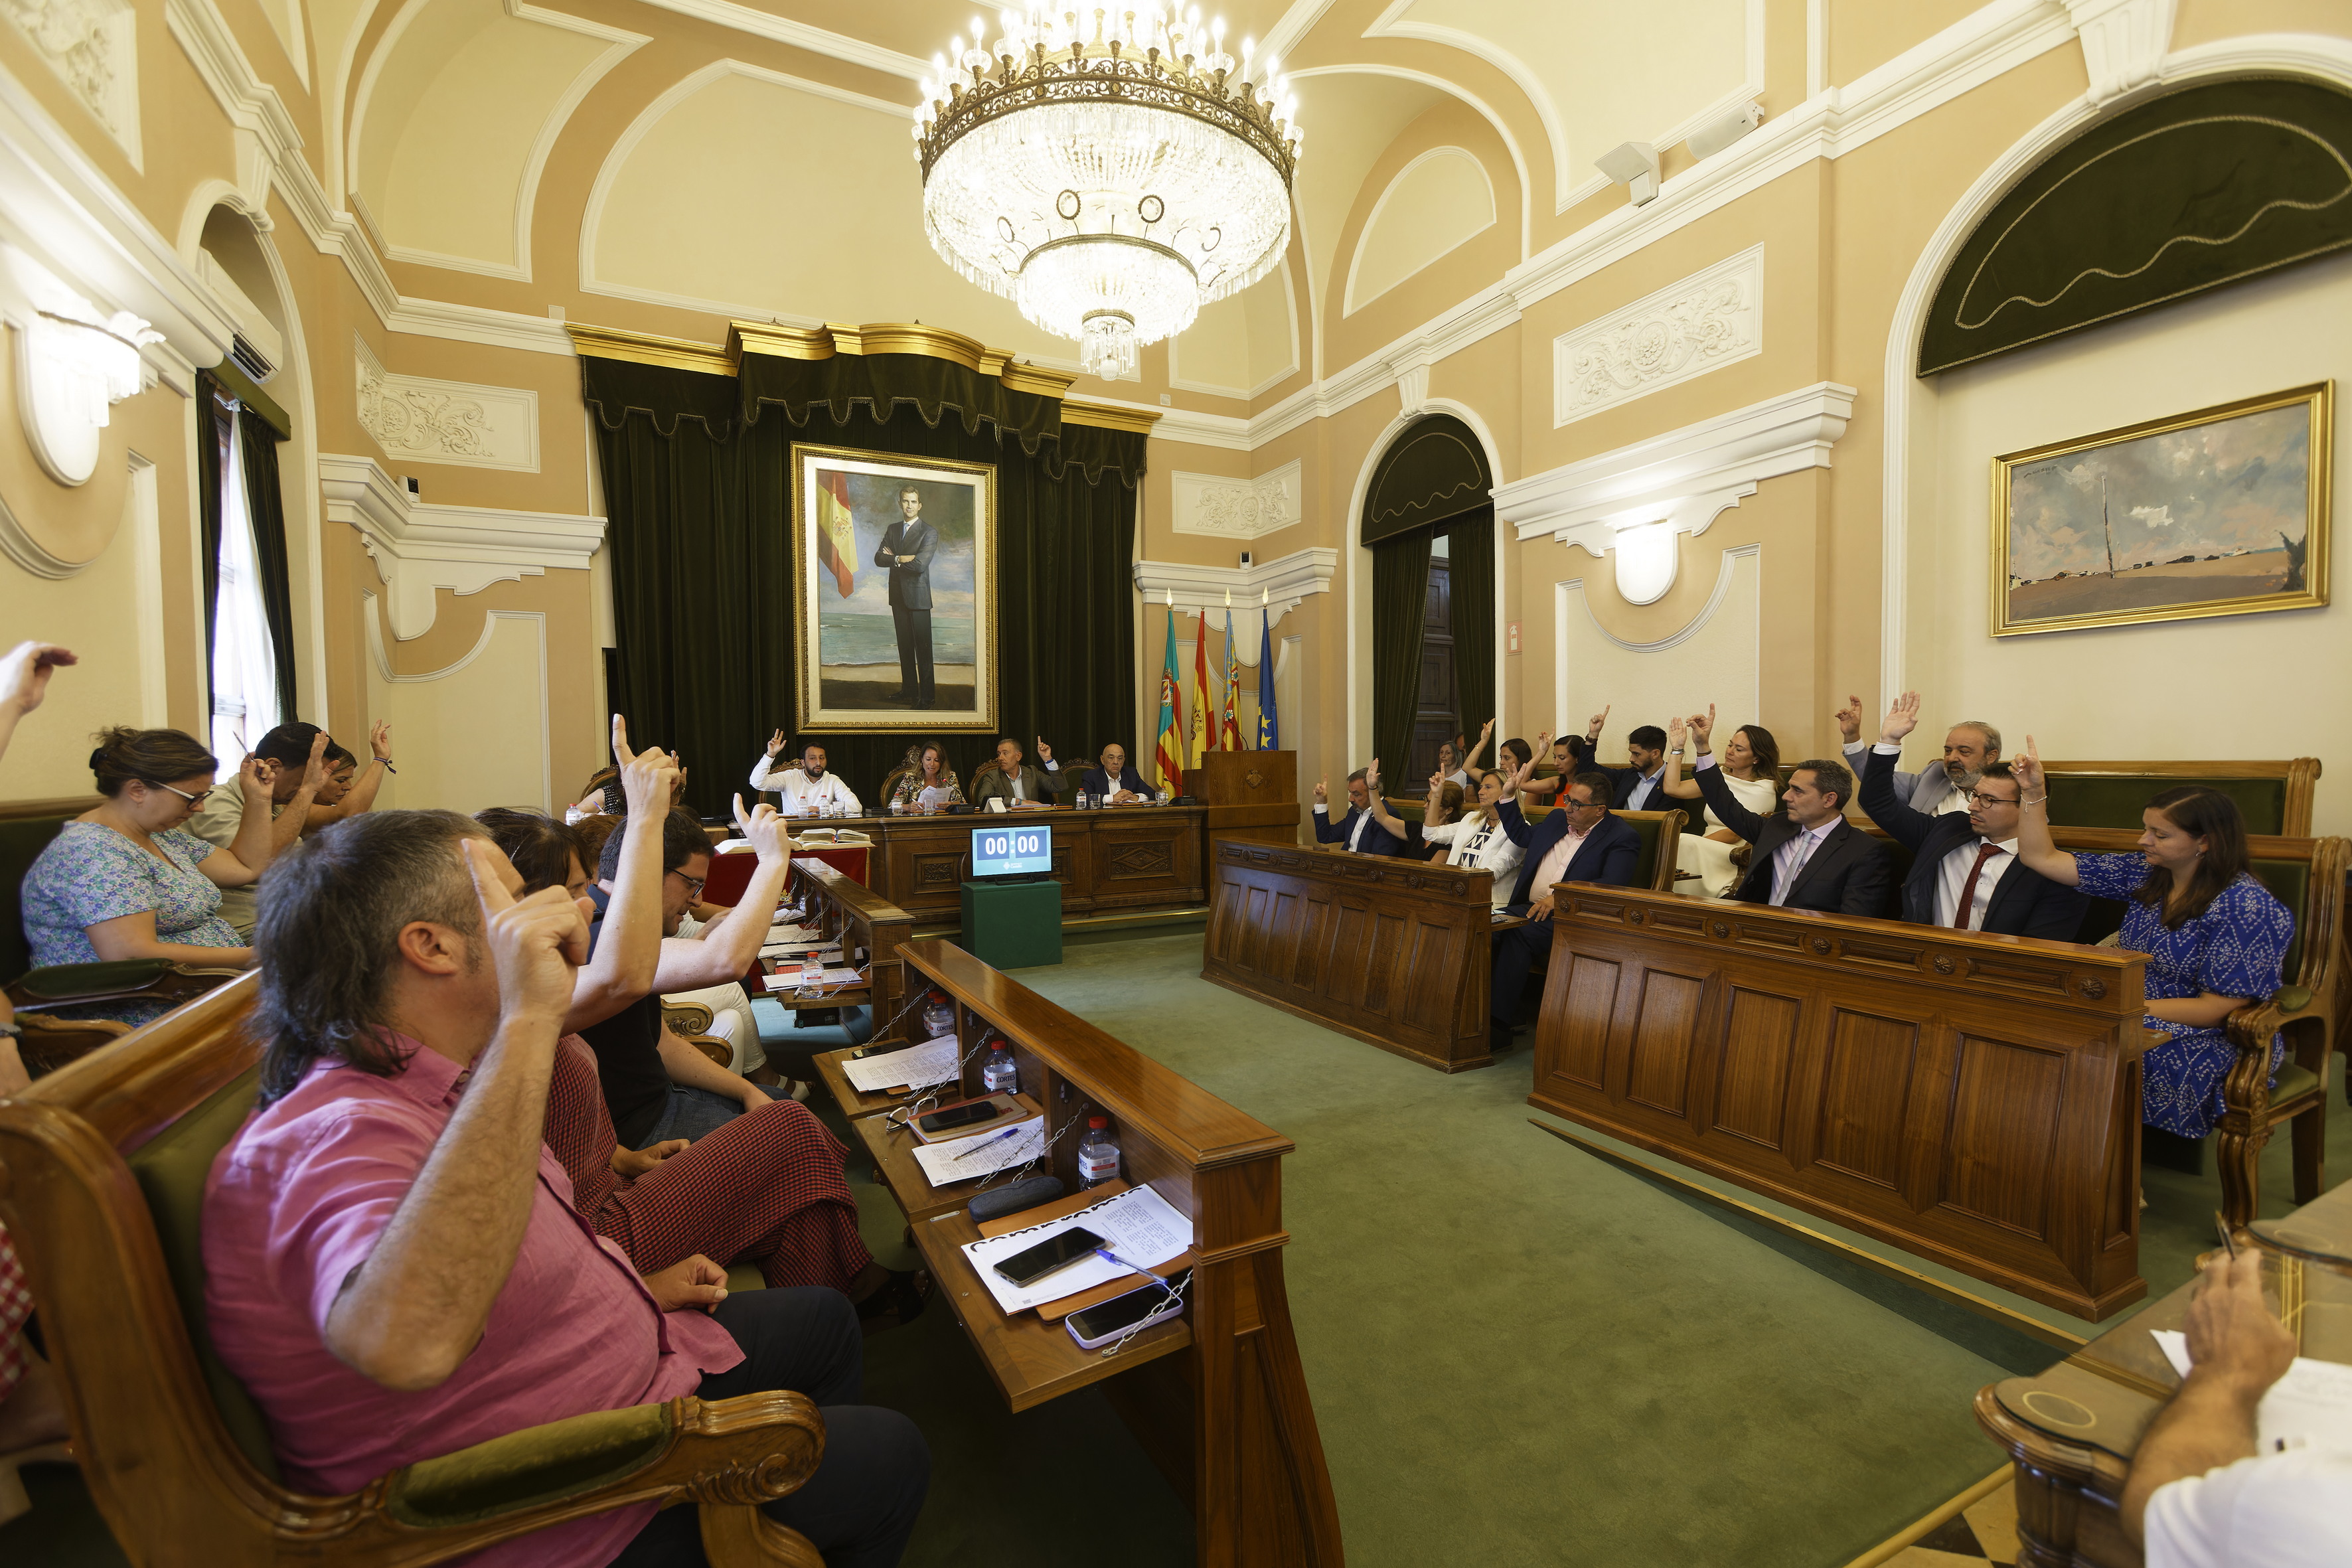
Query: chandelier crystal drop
{"x": 1109, "y": 172}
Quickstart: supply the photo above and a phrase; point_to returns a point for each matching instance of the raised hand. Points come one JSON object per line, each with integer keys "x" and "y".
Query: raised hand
{"x": 536, "y": 943}
{"x": 693, "y": 1282}
{"x": 648, "y": 777}
{"x": 256, "y": 776}
{"x": 1600, "y": 722}
{"x": 1674, "y": 729}
{"x": 1848, "y": 721}
{"x": 764, "y": 828}
{"x": 25, "y": 673}
{"x": 1372, "y": 777}
{"x": 1703, "y": 729}
{"x": 314, "y": 771}
{"x": 1901, "y": 719}
{"x": 380, "y": 740}
{"x": 775, "y": 744}
{"x": 1486, "y": 728}
{"x": 1436, "y": 782}
{"x": 1323, "y": 791}
{"x": 1045, "y": 752}
{"x": 2030, "y": 785}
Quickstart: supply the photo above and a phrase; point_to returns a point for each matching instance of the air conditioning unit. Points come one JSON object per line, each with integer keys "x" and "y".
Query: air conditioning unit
{"x": 259, "y": 348}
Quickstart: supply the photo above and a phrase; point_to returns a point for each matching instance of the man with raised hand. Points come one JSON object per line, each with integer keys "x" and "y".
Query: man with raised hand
{"x": 1969, "y": 745}
{"x": 1808, "y": 857}
{"x": 1360, "y": 831}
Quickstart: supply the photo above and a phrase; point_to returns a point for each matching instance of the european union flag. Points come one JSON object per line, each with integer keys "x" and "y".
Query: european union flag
{"x": 1268, "y": 731}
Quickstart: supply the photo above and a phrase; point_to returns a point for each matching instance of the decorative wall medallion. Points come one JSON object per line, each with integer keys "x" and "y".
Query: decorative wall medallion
{"x": 1944, "y": 965}
{"x": 1142, "y": 860}
{"x": 92, "y": 44}
{"x": 1633, "y": 918}
{"x": 1721, "y": 929}
{"x": 1707, "y": 320}
{"x": 446, "y": 421}
{"x": 1231, "y": 508}
{"x": 939, "y": 871}
{"x": 2094, "y": 989}
{"x": 1254, "y": 778}
{"x": 1821, "y": 945}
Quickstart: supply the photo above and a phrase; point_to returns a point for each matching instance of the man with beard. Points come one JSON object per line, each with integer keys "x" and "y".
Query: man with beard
{"x": 808, "y": 790}
{"x": 1969, "y": 745}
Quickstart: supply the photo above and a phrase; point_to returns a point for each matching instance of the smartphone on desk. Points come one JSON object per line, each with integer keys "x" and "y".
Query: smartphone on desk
{"x": 969, "y": 1117}
{"x": 1096, "y": 1326}
{"x": 1054, "y": 1252}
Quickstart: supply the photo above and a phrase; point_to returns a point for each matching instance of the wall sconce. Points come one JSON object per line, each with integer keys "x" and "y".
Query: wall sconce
{"x": 73, "y": 366}
{"x": 1646, "y": 559}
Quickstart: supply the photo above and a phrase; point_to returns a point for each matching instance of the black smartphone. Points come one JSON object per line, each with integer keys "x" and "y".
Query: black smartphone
{"x": 959, "y": 1116}
{"x": 1055, "y": 1252}
{"x": 1122, "y": 1312}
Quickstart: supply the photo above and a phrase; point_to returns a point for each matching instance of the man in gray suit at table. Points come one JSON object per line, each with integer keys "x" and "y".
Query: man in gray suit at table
{"x": 908, "y": 546}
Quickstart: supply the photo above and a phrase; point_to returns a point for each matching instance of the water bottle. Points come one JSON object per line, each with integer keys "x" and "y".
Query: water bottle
{"x": 939, "y": 1018}
{"x": 1002, "y": 1075}
{"x": 812, "y": 973}
{"x": 1097, "y": 1156}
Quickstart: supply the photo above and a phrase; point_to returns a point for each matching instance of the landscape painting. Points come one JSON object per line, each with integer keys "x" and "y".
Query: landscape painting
{"x": 895, "y": 574}
{"x": 2223, "y": 511}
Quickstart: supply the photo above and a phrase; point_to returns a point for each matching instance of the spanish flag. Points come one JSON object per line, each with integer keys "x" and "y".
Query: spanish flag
{"x": 1204, "y": 705}
{"x": 1229, "y": 733}
{"x": 1170, "y": 761}
{"x": 836, "y": 534}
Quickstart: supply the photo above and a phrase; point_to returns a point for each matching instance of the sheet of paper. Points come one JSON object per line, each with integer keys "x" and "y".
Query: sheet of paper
{"x": 961, "y": 1159}
{"x": 1139, "y": 1225}
{"x": 796, "y": 950}
{"x": 933, "y": 794}
{"x": 918, "y": 1066}
{"x": 790, "y": 980}
{"x": 2310, "y": 1408}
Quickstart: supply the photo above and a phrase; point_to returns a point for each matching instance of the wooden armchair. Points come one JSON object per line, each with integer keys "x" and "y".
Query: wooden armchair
{"x": 104, "y": 1163}
{"x": 690, "y": 1022}
{"x": 2307, "y": 875}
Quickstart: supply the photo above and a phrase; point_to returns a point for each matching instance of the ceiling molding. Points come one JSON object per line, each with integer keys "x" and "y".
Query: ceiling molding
{"x": 1278, "y": 586}
{"x": 649, "y": 348}
{"x": 800, "y": 35}
{"x": 419, "y": 548}
{"x": 1348, "y": 303}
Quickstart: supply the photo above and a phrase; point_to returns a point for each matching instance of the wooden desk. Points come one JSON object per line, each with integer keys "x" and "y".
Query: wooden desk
{"x": 1972, "y": 1099}
{"x": 2072, "y": 1430}
{"x": 1394, "y": 951}
{"x": 866, "y": 924}
{"x": 1219, "y": 1397}
{"x": 1121, "y": 858}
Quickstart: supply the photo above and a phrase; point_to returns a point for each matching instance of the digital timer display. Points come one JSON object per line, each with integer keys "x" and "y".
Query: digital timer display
{"x": 1012, "y": 851}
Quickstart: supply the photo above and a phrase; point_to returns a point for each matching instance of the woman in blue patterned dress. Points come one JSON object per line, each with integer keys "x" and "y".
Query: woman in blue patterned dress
{"x": 125, "y": 879}
{"x": 2214, "y": 936}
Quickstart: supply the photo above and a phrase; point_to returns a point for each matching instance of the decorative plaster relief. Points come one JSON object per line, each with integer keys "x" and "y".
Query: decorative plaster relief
{"x": 1707, "y": 320}
{"x": 2124, "y": 41}
{"x": 93, "y": 46}
{"x": 446, "y": 421}
{"x": 1235, "y": 509}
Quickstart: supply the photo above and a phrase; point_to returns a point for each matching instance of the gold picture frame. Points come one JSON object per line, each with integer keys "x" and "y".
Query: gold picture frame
{"x": 888, "y": 639}
{"x": 2168, "y": 520}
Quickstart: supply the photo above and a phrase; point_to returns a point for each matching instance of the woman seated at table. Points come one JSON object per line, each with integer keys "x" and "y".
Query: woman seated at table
{"x": 125, "y": 879}
{"x": 2214, "y": 936}
{"x": 1475, "y": 840}
{"x": 1750, "y": 761}
{"x": 928, "y": 770}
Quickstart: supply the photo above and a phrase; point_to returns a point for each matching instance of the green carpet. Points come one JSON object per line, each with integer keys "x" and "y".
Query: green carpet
{"x": 1519, "y": 1353}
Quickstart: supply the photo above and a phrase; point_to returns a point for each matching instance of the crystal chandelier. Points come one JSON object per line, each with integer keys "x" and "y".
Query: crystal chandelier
{"x": 1109, "y": 172}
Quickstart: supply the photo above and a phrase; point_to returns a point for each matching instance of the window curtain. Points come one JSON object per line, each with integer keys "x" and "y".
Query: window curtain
{"x": 211, "y": 421}
{"x": 265, "y": 505}
{"x": 1400, "y": 600}
{"x": 1471, "y": 548}
{"x": 697, "y": 484}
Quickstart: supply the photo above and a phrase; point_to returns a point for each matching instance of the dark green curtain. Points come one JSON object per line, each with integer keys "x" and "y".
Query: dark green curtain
{"x": 266, "y": 505}
{"x": 697, "y": 483}
{"x": 212, "y": 422}
{"x": 1470, "y": 550}
{"x": 1400, "y": 601}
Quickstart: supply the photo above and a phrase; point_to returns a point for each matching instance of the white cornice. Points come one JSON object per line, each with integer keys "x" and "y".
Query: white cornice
{"x": 479, "y": 324}
{"x": 800, "y": 35}
{"x": 1285, "y": 581}
{"x": 419, "y": 548}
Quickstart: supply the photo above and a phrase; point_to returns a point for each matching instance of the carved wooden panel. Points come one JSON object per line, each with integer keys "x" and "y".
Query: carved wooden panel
{"x": 1133, "y": 860}
{"x": 1391, "y": 952}
{"x": 1971, "y": 1098}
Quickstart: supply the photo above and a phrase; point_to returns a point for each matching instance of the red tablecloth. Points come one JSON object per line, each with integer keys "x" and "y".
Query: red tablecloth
{"x": 730, "y": 874}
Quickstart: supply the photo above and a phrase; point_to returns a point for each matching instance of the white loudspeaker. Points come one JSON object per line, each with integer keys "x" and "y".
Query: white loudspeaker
{"x": 1245, "y": 560}
{"x": 1634, "y": 164}
{"x": 1715, "y": 135}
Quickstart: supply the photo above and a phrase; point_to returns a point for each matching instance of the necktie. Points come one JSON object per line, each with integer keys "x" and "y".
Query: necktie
{"x": 1805, "y": 843}
{"x": 1985, "y": 852}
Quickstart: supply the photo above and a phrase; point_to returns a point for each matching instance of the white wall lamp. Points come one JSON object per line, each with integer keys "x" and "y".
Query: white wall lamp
{"x": 1634, "y": 164}
{"x": 74, "y": 363}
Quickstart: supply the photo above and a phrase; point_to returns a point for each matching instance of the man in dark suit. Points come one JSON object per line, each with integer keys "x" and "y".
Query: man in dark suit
{"x": 1641, "y": 786}
{"x": 1577, "y": 841}
{"x": 908, "y": 546}
{"x": 1360, "y": 830}
{"x": 1014, "y": 781}
{"x": 1113, "y": 778}
{"x": 1964, "y": 873}
{"x": 1809, "y": 856}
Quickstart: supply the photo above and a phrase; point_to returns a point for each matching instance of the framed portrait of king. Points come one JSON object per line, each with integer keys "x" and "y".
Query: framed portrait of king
{"x": 893, "y": 570}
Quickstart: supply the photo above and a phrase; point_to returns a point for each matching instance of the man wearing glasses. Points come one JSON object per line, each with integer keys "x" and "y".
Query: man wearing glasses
{"x": 1579, "y": 840}
{"x": 657, "y": 1086}
{"x": 1965, "y": 874}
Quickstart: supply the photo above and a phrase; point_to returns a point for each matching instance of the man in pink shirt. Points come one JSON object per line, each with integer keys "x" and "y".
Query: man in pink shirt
{"x": 394, "y": 1269}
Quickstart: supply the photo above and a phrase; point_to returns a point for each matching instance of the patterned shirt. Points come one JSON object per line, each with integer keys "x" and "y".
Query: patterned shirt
{"x": 91, "y": 873}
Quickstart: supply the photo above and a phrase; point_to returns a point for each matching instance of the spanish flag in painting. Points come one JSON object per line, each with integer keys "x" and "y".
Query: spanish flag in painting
{"x": 836, "y": 532}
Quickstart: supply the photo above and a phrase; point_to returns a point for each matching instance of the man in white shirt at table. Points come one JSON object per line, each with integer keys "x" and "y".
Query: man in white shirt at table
{"x": 807, "y": 790}
{"x": 2201, "y": 1494}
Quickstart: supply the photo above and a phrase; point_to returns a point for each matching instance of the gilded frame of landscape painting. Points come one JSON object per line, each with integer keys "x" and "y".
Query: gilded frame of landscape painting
{"x": 2222, "y": 511}
{"x": 894, "y": 575}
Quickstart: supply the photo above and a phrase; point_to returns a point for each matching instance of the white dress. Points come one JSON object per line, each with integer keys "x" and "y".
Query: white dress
{"x": 1712, "y": 860}
{"x": 1480, "y": 846}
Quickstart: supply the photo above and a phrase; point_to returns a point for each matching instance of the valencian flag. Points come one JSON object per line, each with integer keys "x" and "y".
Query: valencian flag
{"x": 1169, "y": 760}
{"x": 1229, "y": 733}
{"x": 836, "y": 535}
{"x": 1204, "y": 705}
{"x": 1268, "y": 736}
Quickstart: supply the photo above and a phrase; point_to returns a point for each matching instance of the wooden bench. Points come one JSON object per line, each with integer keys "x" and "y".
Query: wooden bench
{"x": 105, "y": 1162}
{"x": 1218, "y": 1397}
{"x": 869, "y": 927}
{"x": 2274, "y": 796}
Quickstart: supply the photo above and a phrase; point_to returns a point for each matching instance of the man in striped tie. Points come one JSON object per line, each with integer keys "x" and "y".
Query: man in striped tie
{"x": 1808, "y": 857}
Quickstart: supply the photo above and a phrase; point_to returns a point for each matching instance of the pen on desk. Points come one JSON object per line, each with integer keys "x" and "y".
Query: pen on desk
{"x": 1108, "y": 1255}
{"x": 989, "y": 1143}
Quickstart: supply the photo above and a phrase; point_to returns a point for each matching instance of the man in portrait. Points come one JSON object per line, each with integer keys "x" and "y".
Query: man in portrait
{"x": 908, "y": 546}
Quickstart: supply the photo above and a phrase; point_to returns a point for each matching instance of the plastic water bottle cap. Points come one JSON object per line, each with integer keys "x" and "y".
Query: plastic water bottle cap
{"x": 1098, "y": 1121}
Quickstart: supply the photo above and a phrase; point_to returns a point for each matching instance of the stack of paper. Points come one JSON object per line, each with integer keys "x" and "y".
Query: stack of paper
{"x": 1139, "y": 1225}
{"x": 918, "y": 1066}
{"x": 790, "y": 980}
{"x": 961, "y": 1159}
{"x": 2310, "y": 1408}
{"x": 797, "y": 950}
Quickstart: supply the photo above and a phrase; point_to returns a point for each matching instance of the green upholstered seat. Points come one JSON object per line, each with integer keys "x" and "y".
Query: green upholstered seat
{"x": 21, "y": 843}
{"x": 2290, "y": 883}
{"x": 2293, "y": 1081}
{"x": 2116, "y": 800}
{"x": 745, "y": 1276}
{"x": 1645, "y": 868}
{"x": 172, "y": 1168}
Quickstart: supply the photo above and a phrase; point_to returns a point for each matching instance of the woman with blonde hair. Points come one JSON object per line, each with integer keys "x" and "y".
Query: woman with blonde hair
{"x": 926, "y": 769}
{"x": 1475, "y": 840}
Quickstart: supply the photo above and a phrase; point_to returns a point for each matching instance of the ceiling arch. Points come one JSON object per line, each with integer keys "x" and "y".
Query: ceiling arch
{"x": 1437, "y": 203}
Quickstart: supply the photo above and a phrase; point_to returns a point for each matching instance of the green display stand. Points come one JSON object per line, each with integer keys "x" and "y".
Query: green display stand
{"x": 1012, "y": 925}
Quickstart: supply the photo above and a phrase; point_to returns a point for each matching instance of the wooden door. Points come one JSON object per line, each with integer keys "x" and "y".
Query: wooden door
{"x": 1433, "y": 719}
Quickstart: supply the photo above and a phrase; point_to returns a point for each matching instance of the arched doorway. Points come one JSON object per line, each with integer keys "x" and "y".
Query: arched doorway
{"x": 1429, "y": 524}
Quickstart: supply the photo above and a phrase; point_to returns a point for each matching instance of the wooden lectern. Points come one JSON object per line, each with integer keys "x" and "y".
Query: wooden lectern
{"x": 1251, "y": 795}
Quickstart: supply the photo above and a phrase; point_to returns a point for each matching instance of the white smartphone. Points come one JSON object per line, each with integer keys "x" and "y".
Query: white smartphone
{"x": 1100, "y": 1324}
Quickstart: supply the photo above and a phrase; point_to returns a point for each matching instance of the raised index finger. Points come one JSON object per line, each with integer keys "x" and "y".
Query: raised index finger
{"x": 621, "y": 752}
{"x": 487, "y": 888}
